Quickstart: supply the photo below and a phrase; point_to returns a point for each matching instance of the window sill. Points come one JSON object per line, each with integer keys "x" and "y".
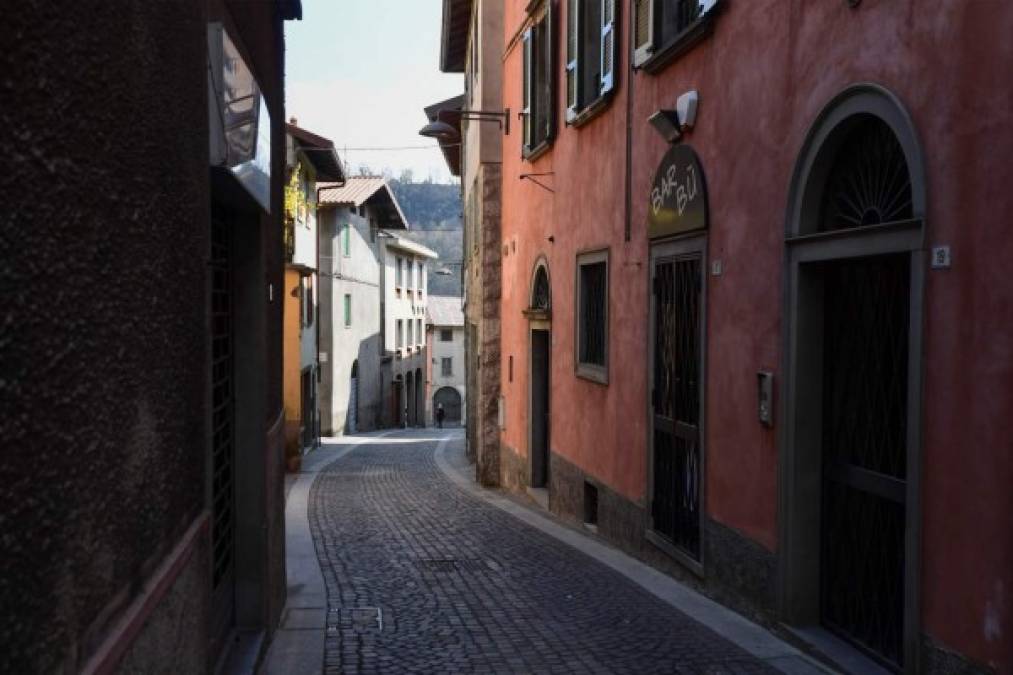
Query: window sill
{"x": 590, "y": 111}
{"x": 531, "y": 154}
{"x": 682, "y": 43}
{"x": 593, "y": 373}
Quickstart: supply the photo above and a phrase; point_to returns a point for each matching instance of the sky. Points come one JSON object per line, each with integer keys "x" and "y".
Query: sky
{"x": 359, "y": 72}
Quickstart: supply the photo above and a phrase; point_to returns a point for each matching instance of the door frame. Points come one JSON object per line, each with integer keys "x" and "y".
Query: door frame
{"x": 545, "y": 327}
{"x": 799, "y": 472}
{"x": 687, "y": 245}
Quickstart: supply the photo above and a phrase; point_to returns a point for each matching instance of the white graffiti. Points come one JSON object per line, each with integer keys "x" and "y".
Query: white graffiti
{"x": 685, "y": 190}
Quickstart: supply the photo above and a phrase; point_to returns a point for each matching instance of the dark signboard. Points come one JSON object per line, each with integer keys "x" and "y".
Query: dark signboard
{"x": 678, "y": 195}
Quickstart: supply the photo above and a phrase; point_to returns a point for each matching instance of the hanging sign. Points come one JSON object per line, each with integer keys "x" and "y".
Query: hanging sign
{"x": 678, "y": 196}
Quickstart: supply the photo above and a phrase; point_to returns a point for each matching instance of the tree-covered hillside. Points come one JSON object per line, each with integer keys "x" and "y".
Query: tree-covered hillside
{"x": 433, "y": 211}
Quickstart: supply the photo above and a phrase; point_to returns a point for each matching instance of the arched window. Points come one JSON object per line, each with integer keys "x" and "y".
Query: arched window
{"x": 869, "y": 182}
{"x": 541, "y": 294}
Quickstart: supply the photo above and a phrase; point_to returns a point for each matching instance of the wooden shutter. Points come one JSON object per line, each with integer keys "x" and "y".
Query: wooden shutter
{"x": 608, "y": 46}
{"x": 573, "y": 42}
{"x": 643, "y": 30}
{"x": 548, "y": 89}
{"x": 528, "y": 85}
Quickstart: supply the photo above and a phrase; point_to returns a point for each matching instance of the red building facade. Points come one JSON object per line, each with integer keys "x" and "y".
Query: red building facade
{"x": 796, "y": 359}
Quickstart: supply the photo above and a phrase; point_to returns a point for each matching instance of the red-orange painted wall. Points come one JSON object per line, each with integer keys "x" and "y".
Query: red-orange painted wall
{"x": 763, "y": 77}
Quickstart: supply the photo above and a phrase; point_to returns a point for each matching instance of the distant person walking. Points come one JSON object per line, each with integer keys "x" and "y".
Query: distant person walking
{"x": 440, "y": 414}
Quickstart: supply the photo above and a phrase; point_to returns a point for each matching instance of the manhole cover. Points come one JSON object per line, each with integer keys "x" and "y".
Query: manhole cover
{"x": 361, "y": 619}
{"x": 446, "y": 565}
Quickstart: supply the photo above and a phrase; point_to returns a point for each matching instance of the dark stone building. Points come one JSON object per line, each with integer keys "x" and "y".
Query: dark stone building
{"x": 141, "y": 512}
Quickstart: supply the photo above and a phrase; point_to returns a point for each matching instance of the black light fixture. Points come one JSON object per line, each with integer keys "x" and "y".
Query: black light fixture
{"x": 672, "y": 123}
{"x": 666, "y": 123}
{"x": 443, "y": 131}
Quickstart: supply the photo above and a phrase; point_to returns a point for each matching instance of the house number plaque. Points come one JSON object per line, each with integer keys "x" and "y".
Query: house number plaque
{"x": 679, "y": 194}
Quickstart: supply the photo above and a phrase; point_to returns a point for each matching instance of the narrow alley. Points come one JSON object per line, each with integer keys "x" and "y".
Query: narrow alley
{"x": 425, "y": 572}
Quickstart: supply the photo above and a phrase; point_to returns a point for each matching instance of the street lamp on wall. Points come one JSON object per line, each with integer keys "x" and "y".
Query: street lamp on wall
{"x": 442, "y": 131}
{"x": 672, "y": 123}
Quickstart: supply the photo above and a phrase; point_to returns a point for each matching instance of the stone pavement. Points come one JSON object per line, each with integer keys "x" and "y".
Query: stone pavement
{"x": 424, "y": 577}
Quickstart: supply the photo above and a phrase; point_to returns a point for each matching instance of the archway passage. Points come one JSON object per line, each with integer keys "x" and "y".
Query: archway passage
{"x": 410, "y": 399}
{"x": 851, "y": 561}
{"x": 450, "y": 399}
{"x": 353, "y": 400}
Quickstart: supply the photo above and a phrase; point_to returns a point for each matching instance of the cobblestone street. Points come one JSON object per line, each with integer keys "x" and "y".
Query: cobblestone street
{"x": 423, "y": 577}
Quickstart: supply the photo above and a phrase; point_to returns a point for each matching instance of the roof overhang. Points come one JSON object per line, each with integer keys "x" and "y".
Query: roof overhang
{"x": 403, "y": 244}
{"x": 290, "y": 9}
{"x": 372, "y": 191}
{"x": 320, "y": 152}
{"x": 449, "y": 111}
{"x": 454, "y": 35}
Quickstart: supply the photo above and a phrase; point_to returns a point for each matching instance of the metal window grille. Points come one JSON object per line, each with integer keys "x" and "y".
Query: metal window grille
{"x": 541, "y": 294}
{"x": 446, "y": 335}
{"x": 593, "y": 298}
{"x": 869, "y": 183}
{"x": 675, "y": 507}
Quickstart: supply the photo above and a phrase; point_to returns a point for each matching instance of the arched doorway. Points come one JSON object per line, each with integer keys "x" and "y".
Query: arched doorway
{"x": 539, "y": 315}
{"x": 352, "y": 425}
{"x": 450, "y": 399}
{"x": 851, "y": 444}
{"x": 410, "y": 399}
{"x": 396, "y": 401}
{"x": 420, "y": 398}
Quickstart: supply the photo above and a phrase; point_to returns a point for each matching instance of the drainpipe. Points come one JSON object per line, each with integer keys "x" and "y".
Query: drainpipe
{"x": 629, "y": 125}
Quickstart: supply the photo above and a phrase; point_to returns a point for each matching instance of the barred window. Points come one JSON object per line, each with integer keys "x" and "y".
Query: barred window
{"x": 446, "y": 335}
{"x": 447, "y": 367}
{"x": 592, "y": 315}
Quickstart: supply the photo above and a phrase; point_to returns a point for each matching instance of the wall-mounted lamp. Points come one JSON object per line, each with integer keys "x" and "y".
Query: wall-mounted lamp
{"x": 666, "y": 123}
{"x": 443, "y": 131}
{"x": 671, "y": 124}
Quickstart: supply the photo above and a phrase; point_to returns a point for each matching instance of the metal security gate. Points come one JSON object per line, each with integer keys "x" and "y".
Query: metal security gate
{"x": 222, "y": 426}
{"x": 865, "y": 375}
{"x": 677, "y": 368}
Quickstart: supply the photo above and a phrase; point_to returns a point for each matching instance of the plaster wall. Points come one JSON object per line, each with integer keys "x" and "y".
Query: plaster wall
{"x": 292, "y": 354}
{"x": 454, "y": 350}
{"x": 357, "y": 275}
{"x": 483, "y": 75}
{"x": 763, "y": 77}
{"x": 105, "y": 243}
{"x": 406, "y": 302}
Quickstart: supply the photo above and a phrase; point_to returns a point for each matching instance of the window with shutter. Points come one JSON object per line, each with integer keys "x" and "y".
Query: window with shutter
{"x": 608, "y": 45}
{"x": 573, "y": 44}
{"x": 666, "y": 28}
{"x": 643, "y": 35}
{"x": 591, "y": 35}
{"x": 538, "y": 96}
